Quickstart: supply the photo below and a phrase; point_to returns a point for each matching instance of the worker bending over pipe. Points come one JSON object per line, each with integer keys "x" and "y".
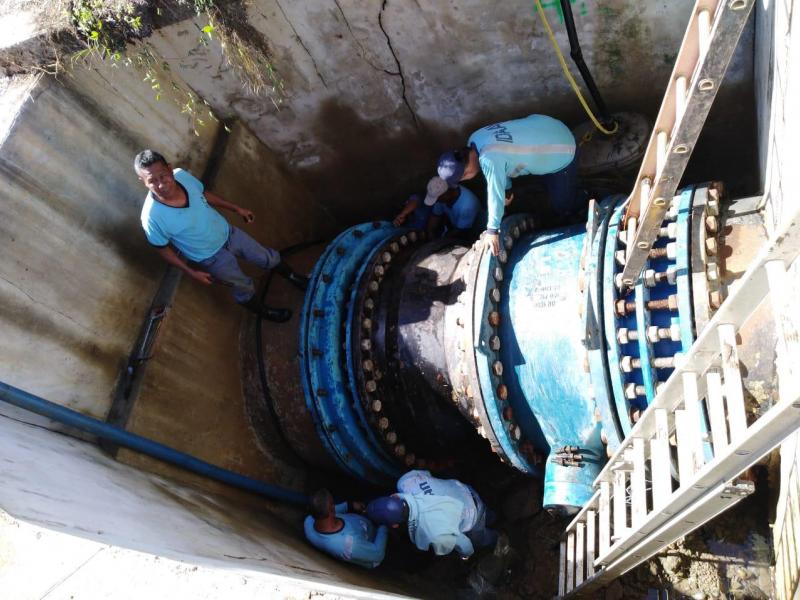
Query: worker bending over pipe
{"x": 535, "y": 145}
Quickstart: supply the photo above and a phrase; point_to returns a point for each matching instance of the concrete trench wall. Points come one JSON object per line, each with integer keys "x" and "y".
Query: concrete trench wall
{"x": 375, "y": 90}
{"x": 76, "y": 524}
{"x": 777, "y": 80}
{"x": 76, "y": 280}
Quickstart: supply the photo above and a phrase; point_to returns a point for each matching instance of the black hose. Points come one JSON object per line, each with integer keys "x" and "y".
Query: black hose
{"x": 262, "y": 371}
{"x": 577, "y": 57}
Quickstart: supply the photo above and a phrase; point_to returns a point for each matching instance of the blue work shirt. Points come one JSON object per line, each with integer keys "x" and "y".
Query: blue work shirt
{"x": 420, "y": 482}
{"x": 463, "y": 211}
{"x": 197, "y": 230}
{"x": 357, "y": 542}
{"x": 433, "y": 523}
{"x": 419, "y": 218}
{"x": 535, "y": 145}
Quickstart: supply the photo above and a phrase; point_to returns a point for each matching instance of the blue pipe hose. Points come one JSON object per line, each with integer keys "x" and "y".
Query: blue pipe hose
{"x": 120, "y": 437}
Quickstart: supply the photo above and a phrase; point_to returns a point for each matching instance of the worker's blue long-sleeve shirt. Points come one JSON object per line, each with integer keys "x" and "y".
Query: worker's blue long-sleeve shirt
{"x": 358, "y": 542}
{"x": 535, "y": 145}
{"x": 434, "y": 523}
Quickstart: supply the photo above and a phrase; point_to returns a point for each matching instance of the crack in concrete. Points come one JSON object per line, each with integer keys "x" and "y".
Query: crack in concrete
{"x": 399, "y": 68}
{"x": 363, "y": 53}
{"x": 300, "y": 40}
{"x": 47, "y": 306}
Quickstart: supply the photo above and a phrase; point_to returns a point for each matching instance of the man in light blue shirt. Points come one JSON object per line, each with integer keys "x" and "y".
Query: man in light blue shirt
{"x": 443, "y": 515}
{"x": 344, "y": 535}
{"x": 535, "y": 145}
{"x": 179, "y": 213}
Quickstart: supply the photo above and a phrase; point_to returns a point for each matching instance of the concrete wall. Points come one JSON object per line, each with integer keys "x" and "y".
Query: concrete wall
{"x": 192, "y": 396}
{"x": 777, "y": 98}
{"x": 75, "y": 524}
{"x": 77, "y": 275}
{"x": 376, "y": 90}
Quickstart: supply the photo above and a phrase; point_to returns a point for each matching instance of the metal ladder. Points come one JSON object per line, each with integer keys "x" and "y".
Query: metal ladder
{"x": 641, "y": 504}
{"x": 708, "y": 44}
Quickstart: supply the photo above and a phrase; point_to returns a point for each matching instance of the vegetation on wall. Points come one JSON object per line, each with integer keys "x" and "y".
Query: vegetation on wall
{"x": 117, "y": 31}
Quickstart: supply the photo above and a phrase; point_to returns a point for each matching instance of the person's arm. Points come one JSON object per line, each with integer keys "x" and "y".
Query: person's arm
{"x": 495, "y": 196}
{"x": 372, "y": 552}
{"x": 218, "y": 201}
{"x": 169, "y": 255}
{"x": 409, "y": 208}
{"x": 463, "y": 546}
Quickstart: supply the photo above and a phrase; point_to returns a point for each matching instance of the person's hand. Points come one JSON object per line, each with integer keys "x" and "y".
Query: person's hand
{"x": 358, "y": 507}
{"x": 247, "y": 215}
{"x": 399, "y": 220}
{"x": 202, "y": 277}
{"x": 491, "y": 241}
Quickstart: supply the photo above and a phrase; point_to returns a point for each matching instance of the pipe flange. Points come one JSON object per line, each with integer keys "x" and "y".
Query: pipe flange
{"x": 337, "y": 416}
{"x": 488, "y": 396}
{"x": 363, "y": 371}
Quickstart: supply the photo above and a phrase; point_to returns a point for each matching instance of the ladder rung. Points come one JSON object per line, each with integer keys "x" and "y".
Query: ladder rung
{"x": 661, "y": 152}
{"x": 716, "y": 412}
{"x": 620, "y": 506}
{"x": 570, "y": 561}
{"x": 605, "y": 517}
{"x": 590, "y": 542}
{"x": 631, "y": 225}
{"x": 732, "y": 381}
{"x": 685, "y": 456}
{"x": 579, "y": 553}
{"x": 660, "y": 460}
{"x": 638, "y": 484}
{"x": 680, "y": 98}
{"x": 703, "y": 34}
{"x": 691, "y": 404}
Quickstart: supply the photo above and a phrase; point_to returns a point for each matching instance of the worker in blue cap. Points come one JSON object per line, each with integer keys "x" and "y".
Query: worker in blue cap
{"x": 535, "y": 145}
{"x": 443, "y": 515}
{"x": 344, "y": 535}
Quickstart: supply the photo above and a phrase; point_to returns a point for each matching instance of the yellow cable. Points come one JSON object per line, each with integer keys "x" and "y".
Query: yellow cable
{"x": 569, "y": 76}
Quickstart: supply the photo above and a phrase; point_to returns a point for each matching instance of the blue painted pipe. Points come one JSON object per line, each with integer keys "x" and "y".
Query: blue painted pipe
{"x": 123, "y": 438}
{"x": 538, "y": 348}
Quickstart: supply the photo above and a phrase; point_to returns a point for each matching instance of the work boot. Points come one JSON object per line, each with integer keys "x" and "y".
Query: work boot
{"x": 297, "y": 280}
{"x": 278, "y": 315}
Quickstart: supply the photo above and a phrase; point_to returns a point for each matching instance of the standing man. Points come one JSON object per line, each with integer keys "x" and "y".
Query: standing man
{"x": 344, "y": 535}
{"x": 441, "y": 514}
{"x": 179, "y": 213}
{"x": 535, "y": 145}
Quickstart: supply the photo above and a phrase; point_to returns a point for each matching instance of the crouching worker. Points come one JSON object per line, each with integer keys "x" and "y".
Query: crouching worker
{"x": 344, "y": 535}
{"x": 441, "y": 515}
{"x": 179, "y": 212}
{"x": 417, "y": 211}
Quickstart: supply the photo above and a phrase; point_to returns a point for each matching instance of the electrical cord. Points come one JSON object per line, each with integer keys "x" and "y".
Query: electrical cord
{"x": 262, "y": 371}
{"x": 569, "y": 76}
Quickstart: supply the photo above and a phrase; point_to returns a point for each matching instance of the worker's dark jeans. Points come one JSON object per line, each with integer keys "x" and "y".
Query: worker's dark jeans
{"x": 562, "y": 189}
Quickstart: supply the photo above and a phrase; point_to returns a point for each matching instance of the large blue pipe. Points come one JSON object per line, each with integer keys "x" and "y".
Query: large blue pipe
{"x": 120, "y": 437}
{"x": 537, "y": 348}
